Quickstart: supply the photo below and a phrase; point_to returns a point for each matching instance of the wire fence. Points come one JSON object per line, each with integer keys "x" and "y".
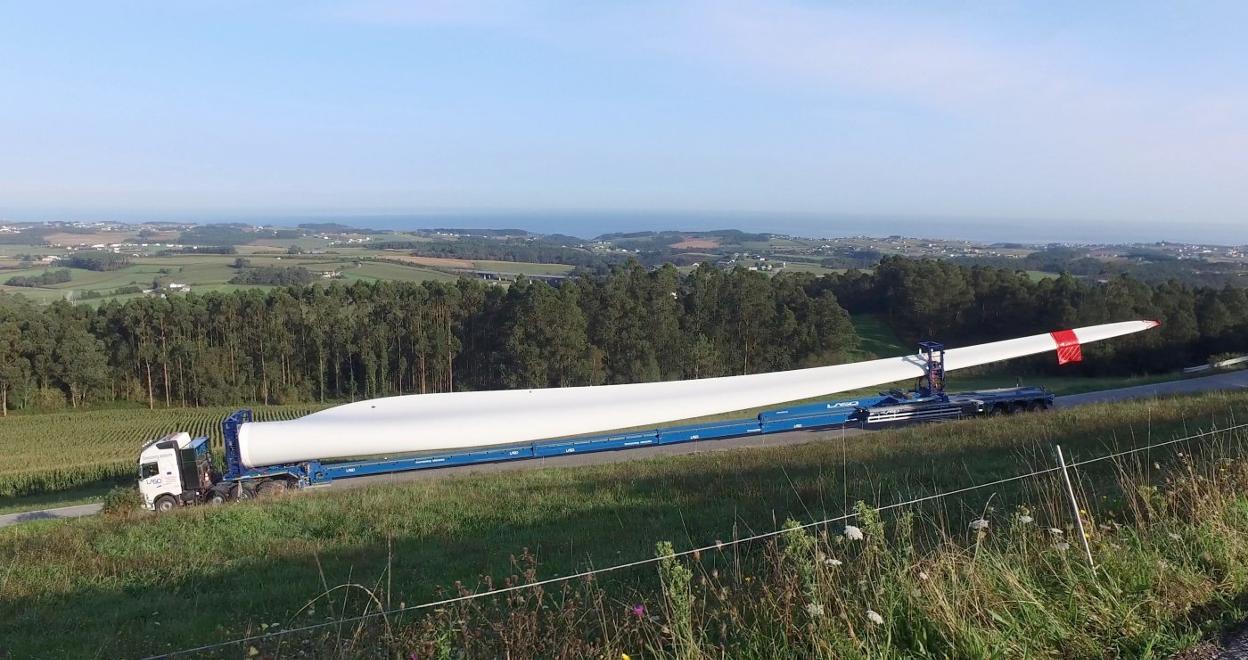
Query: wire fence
{"x": 718, "y": 545}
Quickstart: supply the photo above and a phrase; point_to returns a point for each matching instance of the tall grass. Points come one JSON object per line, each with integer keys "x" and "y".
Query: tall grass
{"x": 130, "y": 584}
{"x": 1170, "y": 546}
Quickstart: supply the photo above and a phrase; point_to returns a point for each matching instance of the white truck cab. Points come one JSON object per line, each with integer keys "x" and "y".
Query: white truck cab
{"x": 175, "y": 470}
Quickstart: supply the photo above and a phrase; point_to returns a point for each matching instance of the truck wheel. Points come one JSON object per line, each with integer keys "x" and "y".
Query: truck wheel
{"x": 165, "y": 504}
{"x": 215, "y": 497}
{"x": 270, "y": 488}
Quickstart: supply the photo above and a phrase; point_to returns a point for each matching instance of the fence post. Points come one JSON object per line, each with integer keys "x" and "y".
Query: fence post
{"x": 1074, "y": 507}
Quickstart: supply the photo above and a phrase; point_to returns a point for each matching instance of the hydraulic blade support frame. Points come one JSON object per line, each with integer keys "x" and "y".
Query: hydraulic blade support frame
{"x": 454, "y": 420}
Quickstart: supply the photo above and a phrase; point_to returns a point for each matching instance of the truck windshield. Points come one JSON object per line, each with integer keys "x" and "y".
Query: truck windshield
{"x": 148, "y": 470}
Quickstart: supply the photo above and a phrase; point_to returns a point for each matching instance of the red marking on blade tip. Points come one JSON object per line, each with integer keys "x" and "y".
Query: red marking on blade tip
{"x": 1068, "y": 348}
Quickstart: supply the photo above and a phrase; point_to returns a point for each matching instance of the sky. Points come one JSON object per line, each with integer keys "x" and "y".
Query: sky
{"x": 1128, "y": 116}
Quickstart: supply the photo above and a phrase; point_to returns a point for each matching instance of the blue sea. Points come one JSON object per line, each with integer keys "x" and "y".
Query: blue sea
{"x": 588, "y": 224}
{"x": 591, "y": 224}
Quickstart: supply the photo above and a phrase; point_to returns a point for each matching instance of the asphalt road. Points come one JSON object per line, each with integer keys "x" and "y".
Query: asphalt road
{"x": 51, "y": 514}
{"x": 1227, "y": 381}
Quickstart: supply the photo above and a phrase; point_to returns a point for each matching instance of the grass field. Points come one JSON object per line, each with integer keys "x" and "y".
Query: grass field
{"x": 131, "y": 584}
{"x": 524, "y": 268}
{"x": 878, "y": 339}
{"x": 212, "y": 272}
{"x": 801, "y": 267}
{"x": 372, "y": 271}
{"x": 207, "y": 272}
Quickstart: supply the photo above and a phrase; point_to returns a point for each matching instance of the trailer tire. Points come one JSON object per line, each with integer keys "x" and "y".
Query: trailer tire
{"x": 215, "y": 497}
{"x": 165, "y": 504}
{"x": 270, "y": 488}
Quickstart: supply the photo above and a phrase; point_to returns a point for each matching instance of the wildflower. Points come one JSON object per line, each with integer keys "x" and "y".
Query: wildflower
{"x": 1055, "y": 531}
{"x": 1025, "y": 519}
{"x": 639, "y": 610}
{"x": 923, "y": 576}
{"x": 832, "y": 562}
{"x": 1063, "y": 546}
{"x": 625, "y": 656}
{"x": 1156, "y": 466}
{"x": 853, "y": 533}
{"x": 875, "y": 617}
{"x": 252, "y": 651}
{"x": 815, "y": 610}
{"x": 979, "y": 524}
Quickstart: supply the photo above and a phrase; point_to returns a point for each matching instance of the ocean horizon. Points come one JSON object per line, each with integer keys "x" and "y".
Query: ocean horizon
{"x": 590, "y": 224}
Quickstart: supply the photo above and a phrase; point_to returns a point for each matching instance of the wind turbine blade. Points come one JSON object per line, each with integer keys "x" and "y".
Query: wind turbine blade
{"x": 453, "y": 420}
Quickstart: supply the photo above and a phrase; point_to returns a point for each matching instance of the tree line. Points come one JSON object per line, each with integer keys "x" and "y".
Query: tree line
{"x": 45, "y": 278}
{"x": 632, "y": 324}
{"x": 363, "y": 340}
{"x": 923, "y": 298}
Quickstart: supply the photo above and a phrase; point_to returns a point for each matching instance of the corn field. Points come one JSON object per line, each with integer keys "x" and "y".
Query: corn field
{"x": 52, "y": 452}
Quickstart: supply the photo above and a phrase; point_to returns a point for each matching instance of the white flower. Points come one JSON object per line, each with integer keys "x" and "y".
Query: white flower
{"x": 1055, "y": 531}
{"x": 853, "y": 533}
{"x": 1063, "y": 546}
{"x": 875, "y": 617}
{"x": 979, "y": 524}
{"x": 1025, "y": 519}
{"x": 923, "y": 576}
{"x": 814, "y": 610}
{"x": 832, "y": 562}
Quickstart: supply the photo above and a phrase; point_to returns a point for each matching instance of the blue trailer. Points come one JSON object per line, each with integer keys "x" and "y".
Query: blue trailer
{"x": 927, "y": 402}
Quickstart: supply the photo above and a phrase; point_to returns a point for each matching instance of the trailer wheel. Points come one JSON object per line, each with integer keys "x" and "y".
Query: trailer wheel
{"x": 215, "y": 497}
{"x": 271, "y": 488}
{"x": 165, "y": 504}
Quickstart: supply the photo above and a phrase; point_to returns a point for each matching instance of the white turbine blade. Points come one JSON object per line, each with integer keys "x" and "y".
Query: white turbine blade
{"x": 406, "y": 424}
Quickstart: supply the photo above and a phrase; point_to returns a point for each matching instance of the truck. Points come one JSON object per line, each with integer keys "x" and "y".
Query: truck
{"x": 178, "y": 470}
